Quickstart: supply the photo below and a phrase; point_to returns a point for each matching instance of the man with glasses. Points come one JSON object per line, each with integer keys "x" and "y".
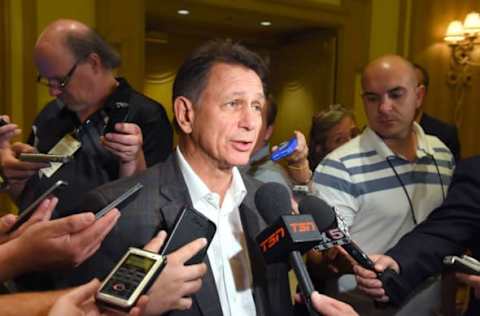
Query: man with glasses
{"x": 386, "y": 180}
{"x": 76, "y": 66}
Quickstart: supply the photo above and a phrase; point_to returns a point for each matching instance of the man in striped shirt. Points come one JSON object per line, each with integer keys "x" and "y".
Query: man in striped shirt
{"x": 388, "y": 179}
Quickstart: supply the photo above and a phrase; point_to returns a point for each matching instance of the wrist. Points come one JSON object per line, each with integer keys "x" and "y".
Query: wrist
{"x": 13, "y": 259}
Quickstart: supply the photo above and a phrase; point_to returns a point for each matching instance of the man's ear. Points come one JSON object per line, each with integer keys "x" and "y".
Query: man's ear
{"x": 420, "y": 94}
{"x": 95, "y": 62}
{"x": 184, "y": 114}
{"x": 268, "y": 133}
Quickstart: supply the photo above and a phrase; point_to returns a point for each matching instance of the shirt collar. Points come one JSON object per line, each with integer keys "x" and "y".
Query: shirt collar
{"x": 423, "y": 147}
{"x": 199, "y": 190}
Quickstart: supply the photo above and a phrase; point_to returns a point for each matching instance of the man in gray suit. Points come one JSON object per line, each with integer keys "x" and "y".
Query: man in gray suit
{"x": 218, "y": 96}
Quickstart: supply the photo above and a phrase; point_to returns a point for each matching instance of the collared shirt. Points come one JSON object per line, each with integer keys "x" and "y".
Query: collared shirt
{"x": 228, "y": 252}
{"x": 93, "y": 165}
{"x": 359, "y": 181}
{"x": 379, "y": 194}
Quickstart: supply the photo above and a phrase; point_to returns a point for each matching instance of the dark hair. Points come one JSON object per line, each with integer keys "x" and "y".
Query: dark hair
{"x": 271, "y": 110}
{"x": 426, "y": 77}
{"x": 82, "y": 45}
{"x": 192, "y": 76}
{"x": 322, "y": 122}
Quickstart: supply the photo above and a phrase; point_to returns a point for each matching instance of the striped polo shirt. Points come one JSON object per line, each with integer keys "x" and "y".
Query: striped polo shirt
{"x": 370, "y": 186}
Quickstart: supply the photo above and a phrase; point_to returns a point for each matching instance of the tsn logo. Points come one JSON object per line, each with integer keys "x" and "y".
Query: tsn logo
{"x": 295, "y": 227}
{"x": 273, "y": 239}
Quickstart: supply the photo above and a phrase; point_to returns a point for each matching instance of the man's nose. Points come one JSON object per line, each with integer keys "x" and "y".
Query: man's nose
{"x": 251, "y": 118}
{"x": 386, "y": 105}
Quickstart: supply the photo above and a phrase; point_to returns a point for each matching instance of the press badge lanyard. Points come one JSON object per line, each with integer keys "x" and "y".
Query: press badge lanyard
{"x": 412, "y": 210}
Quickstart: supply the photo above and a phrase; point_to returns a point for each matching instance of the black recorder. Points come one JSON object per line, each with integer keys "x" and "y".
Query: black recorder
{"x": 130, "y": 279}
{"x": 119, "y": 113}
{"x": 190, "y": 225}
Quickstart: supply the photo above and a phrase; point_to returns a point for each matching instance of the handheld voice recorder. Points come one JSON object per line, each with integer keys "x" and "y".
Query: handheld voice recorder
{"x": 131, "y": 278}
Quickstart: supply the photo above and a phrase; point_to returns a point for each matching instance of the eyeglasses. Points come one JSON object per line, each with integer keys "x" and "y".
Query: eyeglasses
{"x": 59, "y": 82}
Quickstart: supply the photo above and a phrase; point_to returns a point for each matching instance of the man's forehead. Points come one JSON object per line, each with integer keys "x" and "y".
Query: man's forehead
{"x": 385, "y": 81}
{"x": 51, "y": 58}
{"x": 223, "y": 74}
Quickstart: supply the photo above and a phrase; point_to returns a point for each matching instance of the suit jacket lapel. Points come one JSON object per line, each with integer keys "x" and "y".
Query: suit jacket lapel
{"x": 252, "y": 224}
{"x": 176, "y": 197}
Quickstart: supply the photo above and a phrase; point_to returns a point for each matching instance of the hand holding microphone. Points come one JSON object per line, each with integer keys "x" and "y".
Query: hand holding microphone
{"x": 395, "y": 289}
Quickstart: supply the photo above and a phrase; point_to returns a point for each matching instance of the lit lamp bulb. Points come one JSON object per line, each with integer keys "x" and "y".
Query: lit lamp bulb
{"x": 471, "y": 24}
{"x": 454, "y": 32}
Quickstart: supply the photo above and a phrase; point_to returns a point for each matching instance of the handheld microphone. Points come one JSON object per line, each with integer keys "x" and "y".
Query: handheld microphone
{"x": 287, "y": 235}
{"x": 322, "y": 212}
{"x": 333, "y": 236}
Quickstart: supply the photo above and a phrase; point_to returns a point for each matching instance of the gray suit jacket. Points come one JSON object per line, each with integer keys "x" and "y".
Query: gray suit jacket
{"x": 155, "y": 207}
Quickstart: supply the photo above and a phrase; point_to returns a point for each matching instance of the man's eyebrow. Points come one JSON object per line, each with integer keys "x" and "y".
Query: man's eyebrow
{"x": 368, "y": 93}
{"x": 397, "y": 89}
{"x": 241, "y": 94}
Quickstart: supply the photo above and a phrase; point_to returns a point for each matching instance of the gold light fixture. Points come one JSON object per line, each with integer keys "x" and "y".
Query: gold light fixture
{"x": 462, "y": 39}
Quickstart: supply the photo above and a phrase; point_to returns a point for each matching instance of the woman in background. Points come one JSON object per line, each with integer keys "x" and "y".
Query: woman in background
{"x": 330, "y": 129}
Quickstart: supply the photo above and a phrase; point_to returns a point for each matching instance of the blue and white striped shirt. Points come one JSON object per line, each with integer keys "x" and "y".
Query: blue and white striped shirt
{"x": 359, "y": 182}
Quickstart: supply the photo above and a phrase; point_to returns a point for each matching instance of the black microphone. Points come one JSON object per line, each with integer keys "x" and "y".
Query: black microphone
{"x": 287, "y": 236}
{"x": 320, "y": 211}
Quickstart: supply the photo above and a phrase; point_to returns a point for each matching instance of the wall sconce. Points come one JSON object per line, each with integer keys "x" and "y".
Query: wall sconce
{"x": 462, "y": 38}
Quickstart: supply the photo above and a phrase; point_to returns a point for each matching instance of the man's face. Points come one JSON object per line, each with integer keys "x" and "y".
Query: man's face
{"x": 391, "y": 97}
{"x": 265, "y": 131}
{"x": 228, "y": 116}
{"x": 54, "y": 62}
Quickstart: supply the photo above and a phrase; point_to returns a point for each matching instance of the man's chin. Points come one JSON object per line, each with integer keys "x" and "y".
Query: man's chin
{"x": 76, "y": 107}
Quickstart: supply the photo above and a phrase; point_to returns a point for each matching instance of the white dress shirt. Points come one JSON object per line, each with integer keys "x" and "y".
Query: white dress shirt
{"x": 228, "y": 252}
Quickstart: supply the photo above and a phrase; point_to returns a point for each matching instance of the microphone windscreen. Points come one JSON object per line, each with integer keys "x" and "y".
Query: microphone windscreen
{"x": 322, "y": 213}
{"x": 273, "y": 200}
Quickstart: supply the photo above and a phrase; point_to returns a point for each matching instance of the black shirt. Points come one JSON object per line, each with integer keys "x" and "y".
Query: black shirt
{"x": 93, "y": 165}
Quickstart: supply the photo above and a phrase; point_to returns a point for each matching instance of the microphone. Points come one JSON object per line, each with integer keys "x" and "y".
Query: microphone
{"x": 333, "y": 236}
{"x": 287, "y": 235}
{"x": 321, "y": 211}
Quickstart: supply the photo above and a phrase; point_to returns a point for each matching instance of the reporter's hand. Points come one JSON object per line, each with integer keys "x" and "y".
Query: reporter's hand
{"x": 42, "y": 213}
{"x": 471, "y": 280}
{"x": 126, "y": 143}
{"x": 367, "y": 280}
{"x": 17, "y": 172}
{"x": 339, "y": 261}
{"x": 328, "y": 306}
{"x": 176, "y": 282}
{"x": 7, "y": 132}
{"x": 297, "y": 163}
{"x": 78, "y": 302}
{"x": 64, "y": 242}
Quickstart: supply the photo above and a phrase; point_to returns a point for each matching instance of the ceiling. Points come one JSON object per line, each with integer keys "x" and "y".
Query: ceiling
{"x": 240, "y": 17}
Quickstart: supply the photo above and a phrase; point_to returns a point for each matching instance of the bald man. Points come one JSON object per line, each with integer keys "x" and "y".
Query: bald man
{"x": 386, "y": 180}
{"x": 77, "y": 67}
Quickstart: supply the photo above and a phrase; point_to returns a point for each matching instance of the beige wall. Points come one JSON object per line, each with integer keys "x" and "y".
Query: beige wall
{"x": 303, "y": 77}
{"x": 429, "y": 21}
{"x": 385, "y": 26}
